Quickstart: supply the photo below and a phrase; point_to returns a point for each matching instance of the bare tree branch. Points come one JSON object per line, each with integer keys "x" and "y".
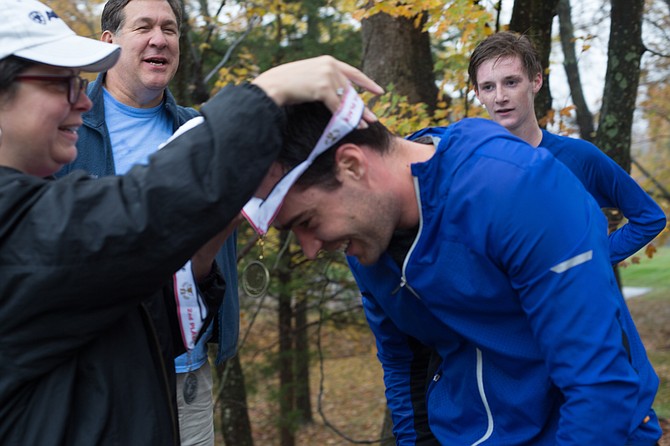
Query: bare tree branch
{"x": 253, "y": 22}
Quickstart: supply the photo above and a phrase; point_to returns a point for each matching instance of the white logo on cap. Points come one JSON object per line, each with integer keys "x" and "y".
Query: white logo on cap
{"x": 38, "y": 17}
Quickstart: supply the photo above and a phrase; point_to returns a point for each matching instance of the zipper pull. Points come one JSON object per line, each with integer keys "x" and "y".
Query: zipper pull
{"x": 400, "y": 285}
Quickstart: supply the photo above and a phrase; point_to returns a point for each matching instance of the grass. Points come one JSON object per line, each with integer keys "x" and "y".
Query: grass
{"x": 651, "y": 313}
{"x": 653, "y": 273}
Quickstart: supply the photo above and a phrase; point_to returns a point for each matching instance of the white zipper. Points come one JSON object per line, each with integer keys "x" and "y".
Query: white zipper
{"x": 403, "y": 277}
{"x": 482, "y": 395}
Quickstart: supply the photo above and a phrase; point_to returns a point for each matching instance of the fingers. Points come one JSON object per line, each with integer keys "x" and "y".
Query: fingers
{"x": 358, "y": 78}
{"x": 368, "y": 116}
{"x": 317, "y": 79}
{"x": 339, "y": 76}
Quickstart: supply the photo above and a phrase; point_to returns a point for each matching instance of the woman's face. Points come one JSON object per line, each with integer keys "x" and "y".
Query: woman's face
{"x": 39, "y": 125}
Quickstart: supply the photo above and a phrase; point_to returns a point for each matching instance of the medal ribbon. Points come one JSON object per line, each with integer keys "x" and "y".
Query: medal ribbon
{"x": 191, "y": 310}
{"x": 260, "y": 213}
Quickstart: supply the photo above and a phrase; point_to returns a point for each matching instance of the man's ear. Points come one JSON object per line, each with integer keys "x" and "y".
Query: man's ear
{"x": 537, "y": 82}
{"x": 351, "y": 162}
{"x": 107, "y": 36}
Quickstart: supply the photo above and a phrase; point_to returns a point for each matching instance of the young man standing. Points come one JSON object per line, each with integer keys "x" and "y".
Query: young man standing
{"x": 133, "y": 113}
{"x": 506, "y": 73}
{"x": 470, "y": 242}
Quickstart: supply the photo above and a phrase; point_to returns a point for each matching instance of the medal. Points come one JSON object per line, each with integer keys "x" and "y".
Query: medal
{"x": 256, "y": 276}
{"x": 255, "y": 279}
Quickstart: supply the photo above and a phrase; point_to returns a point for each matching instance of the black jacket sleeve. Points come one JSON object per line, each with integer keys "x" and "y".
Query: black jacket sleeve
{"x": 77, "y": 253}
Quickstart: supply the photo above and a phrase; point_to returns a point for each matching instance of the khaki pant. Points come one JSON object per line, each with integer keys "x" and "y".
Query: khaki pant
{"x": 196, "y": 407}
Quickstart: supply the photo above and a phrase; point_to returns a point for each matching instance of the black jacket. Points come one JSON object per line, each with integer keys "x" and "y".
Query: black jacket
{"x": 82, "y": 259}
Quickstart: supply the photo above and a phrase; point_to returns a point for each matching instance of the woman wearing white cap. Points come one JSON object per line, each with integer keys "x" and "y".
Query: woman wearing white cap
{"x": 81, "y": 258}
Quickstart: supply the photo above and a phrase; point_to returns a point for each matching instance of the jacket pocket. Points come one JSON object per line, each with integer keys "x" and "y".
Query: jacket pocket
{"x": 458, "y": 408}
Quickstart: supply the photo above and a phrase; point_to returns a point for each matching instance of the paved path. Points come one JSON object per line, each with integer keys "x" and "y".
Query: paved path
{"x": 634, "y": 291}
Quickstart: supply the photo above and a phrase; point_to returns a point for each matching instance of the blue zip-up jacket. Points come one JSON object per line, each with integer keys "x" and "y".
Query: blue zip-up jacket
{"x": 612, "y": 187}
{"x": 100, "y": 162}
{"x": 509, "y": 280}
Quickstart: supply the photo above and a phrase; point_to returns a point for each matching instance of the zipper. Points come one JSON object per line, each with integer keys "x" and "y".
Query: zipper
{"x": 402, "y": 283}
{"x": 480, "y": 361}
{"x": 403, "y": 277}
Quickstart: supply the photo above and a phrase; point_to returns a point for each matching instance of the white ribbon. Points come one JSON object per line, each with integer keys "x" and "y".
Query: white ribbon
{"x": 185, "y": 127}
{"x": 191, "y": 309}
{"x": 260, "y": 213}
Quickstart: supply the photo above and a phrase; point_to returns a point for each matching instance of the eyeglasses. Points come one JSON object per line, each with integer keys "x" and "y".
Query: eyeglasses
{"x": 75, "y": 84}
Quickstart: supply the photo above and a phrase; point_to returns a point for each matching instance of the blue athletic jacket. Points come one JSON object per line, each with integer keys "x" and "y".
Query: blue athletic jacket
{"x": 612, "y": 187}
{"x": 509, "y": 280}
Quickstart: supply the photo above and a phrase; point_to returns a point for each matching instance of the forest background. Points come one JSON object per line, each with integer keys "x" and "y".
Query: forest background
{"x": 306, "y": 372}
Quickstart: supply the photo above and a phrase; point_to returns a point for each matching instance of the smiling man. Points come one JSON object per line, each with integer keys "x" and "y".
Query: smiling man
{"x": 469, "y": 242}
{"x": 133, "y": 110}
{"x": 133, "y": 113}
{"x": 148, "y": 33}
{"x": 506, "y": 74}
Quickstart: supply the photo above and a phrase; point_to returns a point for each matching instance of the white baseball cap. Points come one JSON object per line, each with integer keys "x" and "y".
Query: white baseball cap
{"x": 33, "y": 31}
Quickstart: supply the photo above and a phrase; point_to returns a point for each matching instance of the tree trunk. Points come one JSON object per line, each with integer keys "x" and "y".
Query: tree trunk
{"x": 235, "y": 424}
{"x": 286, "y": 377}
{"x": 534, "y": 18}
{"x": 303, "y": 403}
{"x": 397, "y": 52}
{"x": 188, "y": 85}
{"x": 624, "y": 52}
{"x": 584, "y": 116}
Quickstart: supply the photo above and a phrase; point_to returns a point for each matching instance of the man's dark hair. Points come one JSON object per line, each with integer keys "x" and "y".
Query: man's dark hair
{"x": 113, "y": 14}
{"x": 10, "y": 67}
{"x": 304, "y": 125}
{"x": 505, "y": 44}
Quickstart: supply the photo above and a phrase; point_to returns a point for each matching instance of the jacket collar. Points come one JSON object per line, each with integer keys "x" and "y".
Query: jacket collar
{"x": 95, "y": 117}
